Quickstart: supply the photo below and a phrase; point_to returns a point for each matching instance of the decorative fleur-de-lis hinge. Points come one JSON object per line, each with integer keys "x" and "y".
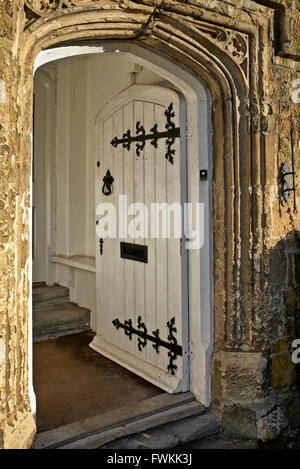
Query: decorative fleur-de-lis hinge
{"x": 174, "y": 350}
{"x": 170, "y": 134}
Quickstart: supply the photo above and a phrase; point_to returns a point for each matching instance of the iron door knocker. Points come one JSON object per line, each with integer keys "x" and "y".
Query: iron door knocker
{"x": 108, "y": 182}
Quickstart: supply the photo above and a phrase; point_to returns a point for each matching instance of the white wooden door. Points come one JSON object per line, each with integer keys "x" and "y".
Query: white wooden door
{"x": 135, "y": 296}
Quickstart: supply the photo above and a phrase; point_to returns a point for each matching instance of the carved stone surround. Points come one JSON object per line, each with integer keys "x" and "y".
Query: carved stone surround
{"x": 37, "y": 8}
{"x": 233, "y": 43}
{"x": 40, "y": 7}
{"x": 157, "y": 27}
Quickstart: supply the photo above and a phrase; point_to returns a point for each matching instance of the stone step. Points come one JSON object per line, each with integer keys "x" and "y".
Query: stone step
{"x": 44, "y": 293}
{"x": 216, "y": 442}
{"x": 52, "y": 303}
{"x": 60, "y": 321}
{"x": 114, "y": 419}
{"x": 169, "y": 427}
{"x": 170, "y": 435}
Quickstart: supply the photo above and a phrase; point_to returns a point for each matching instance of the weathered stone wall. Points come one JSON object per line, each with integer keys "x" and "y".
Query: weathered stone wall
{"x": 248, "y": 54}
{"x": 259, "y": 393}
{"x": 17, "y": 426}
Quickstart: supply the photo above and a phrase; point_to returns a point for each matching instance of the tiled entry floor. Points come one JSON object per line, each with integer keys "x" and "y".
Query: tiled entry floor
{"x": 73, "y": 382}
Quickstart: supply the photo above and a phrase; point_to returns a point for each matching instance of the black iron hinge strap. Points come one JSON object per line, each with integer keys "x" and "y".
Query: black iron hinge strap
{"x": 170, "y": 134}
{"x": 157, "y": 340}
{"x": 143, "y": 336}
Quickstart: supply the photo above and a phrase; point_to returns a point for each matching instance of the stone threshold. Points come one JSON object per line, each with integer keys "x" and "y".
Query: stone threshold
{"x": 104, "y": 429}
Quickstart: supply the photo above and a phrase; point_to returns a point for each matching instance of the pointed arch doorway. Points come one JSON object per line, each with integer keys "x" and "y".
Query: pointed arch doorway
{"x": 198, "y": 347}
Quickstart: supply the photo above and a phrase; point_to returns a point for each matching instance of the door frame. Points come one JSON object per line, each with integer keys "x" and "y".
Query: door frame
{"x": 199, "y": 156}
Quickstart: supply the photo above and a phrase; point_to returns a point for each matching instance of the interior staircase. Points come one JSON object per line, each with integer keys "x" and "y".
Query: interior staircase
{"x": 54, "y": 315}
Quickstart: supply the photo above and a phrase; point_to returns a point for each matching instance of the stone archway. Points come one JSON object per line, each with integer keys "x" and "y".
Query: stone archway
{"x": 224, "y": 54}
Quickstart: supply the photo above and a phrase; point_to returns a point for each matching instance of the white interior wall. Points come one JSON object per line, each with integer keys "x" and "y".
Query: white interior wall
{"x": 84, "y": 85}
{"x": 44, "y": 175}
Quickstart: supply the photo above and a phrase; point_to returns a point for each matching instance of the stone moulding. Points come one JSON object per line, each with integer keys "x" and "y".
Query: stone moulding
{"x": 44, "y": 10}
{"x": 234, "y": 43}
{"x": 35, "y": 9}
{"x": 41, "y": 7}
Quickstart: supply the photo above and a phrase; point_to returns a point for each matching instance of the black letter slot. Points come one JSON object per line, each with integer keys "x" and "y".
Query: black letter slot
{"x": 134, "y": 252}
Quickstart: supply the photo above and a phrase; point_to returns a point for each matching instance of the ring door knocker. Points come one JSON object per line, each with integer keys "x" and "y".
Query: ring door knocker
{"x": 108, "y": 182}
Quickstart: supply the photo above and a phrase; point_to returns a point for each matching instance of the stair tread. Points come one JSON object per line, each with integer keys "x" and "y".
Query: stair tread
{"x": 51, "y": 303}
{"x": 59, "y": 315}
{"x": 64, "y": 307}
{"x": 45, "y": 334}
{"x": 54, "y": 315}
{"x": 45, "y": 293}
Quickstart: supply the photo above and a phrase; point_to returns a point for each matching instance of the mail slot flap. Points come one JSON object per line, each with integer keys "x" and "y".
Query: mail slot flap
{"x": 134, "y": 252}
